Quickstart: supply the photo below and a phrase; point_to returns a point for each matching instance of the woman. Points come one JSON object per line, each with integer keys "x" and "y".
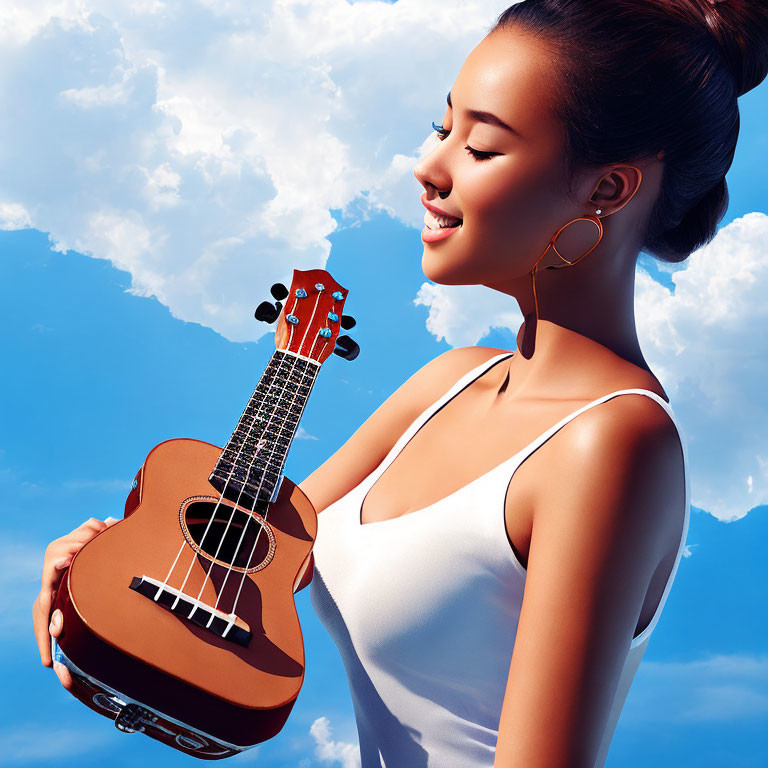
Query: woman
{"x": 497, "y": 541}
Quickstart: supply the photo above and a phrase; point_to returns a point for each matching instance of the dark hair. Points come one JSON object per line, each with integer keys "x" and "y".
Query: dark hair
{"x": 640, "y": 76}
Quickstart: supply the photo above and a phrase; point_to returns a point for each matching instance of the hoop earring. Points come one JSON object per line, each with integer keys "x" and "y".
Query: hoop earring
{"x": 551, "y": 244}
{"x": 588, "y": 217}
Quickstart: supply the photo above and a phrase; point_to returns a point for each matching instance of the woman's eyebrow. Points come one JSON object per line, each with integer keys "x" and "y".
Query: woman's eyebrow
{"x": 487, "y": 117}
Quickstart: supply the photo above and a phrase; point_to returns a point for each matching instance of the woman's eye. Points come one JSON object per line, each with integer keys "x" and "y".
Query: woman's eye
{"x": 478, "y": 155}
{"x": 442, "y": 133}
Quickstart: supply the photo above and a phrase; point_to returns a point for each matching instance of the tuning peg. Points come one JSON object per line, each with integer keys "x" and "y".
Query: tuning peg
{"x": 346, "y": 348}
{"x": 278, "y": 291}
{"x": 347, "y": 322}
{"x": 268, "y": 312}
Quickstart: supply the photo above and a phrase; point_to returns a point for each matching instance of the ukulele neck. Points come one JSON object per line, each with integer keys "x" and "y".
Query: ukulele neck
{"x": 252, "y": 462}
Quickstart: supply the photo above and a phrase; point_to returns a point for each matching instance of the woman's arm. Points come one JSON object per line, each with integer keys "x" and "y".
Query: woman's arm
{"x": 607, "y": 512}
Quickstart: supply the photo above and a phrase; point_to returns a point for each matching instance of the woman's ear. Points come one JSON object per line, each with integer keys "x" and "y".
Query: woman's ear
{"x": 616, "y": 188}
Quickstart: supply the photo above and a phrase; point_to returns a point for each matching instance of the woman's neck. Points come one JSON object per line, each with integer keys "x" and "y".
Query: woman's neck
{"x": 565, "y": 363}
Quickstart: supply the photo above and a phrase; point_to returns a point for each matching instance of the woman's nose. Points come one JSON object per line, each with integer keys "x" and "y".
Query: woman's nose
{"x": 432, "y": 177}
{"x": 430, "y": 187}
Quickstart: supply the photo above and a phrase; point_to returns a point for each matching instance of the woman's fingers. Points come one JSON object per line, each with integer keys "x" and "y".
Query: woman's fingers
{"x": 58, "y": 557}
{"x": 40, "y": 623}
{"x": 63, "y": 674}
{"x": 55, "y": 627}
{"x": 93, "y": 522}
{"x": 56, "y": 624}
{"x": 53, "y": 572}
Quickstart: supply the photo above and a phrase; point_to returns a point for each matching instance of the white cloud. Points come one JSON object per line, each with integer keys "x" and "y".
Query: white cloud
{"x": 688, "y": 549}
{"x": 14, "y": 216}
{"x": 334, "y": 752}
{"x": 201, "y": 147}
{"x": 705, "y": 343}
{"x": 463, "y": 314}
{"x": 721, "y": 688}
{"x": 302, "y": 434}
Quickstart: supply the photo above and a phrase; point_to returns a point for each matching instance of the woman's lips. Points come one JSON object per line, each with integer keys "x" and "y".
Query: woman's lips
{"x": 433, "y": 235}
{"x": 434, "y": 208}
{"x": 429, "y": 235}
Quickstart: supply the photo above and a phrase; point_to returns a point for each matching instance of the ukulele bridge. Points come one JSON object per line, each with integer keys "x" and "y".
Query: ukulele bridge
{"x": 188, "y": 607}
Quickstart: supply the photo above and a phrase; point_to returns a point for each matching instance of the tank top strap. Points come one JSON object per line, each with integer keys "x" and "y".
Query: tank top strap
{"x": 418, "y": 422}
{"x": 507, "y": 468}
{"x": 503, "y": 474}
{"x": 544, "y": 436}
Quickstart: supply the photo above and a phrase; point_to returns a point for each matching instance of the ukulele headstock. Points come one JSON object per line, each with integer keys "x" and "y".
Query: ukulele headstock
{"x": 311, "y": 321}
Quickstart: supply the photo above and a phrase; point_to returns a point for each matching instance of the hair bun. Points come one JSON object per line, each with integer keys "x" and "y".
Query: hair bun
{"x": 741, "y": 29}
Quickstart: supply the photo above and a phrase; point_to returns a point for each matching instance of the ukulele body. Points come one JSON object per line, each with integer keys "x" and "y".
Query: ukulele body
{"x": 225, "y": 679}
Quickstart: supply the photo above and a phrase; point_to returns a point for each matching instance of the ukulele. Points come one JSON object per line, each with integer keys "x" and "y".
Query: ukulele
{"x": 179, "y": 620}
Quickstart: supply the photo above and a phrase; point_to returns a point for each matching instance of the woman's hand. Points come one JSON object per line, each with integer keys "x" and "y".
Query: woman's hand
{"x": 58, "y": 556}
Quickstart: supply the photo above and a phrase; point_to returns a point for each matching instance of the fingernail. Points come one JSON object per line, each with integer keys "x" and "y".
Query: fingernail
{"x": 113, "y": 519}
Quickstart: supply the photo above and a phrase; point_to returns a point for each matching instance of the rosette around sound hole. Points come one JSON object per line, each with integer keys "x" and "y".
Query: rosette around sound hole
{"x": 228, "y": 535}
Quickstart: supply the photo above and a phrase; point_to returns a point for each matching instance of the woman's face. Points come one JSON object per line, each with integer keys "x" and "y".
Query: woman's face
{"x": 512, "y": 202}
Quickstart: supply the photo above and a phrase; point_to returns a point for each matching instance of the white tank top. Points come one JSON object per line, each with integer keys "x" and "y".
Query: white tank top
{"x": 408, "y": 601}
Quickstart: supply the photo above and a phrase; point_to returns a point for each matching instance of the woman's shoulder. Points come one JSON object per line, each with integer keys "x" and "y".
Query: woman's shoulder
{"x": 627, "y": 454}
{"x": 456, "y": 362}
{"x": 429, "y": 383}
{"x": 436, "y": 377}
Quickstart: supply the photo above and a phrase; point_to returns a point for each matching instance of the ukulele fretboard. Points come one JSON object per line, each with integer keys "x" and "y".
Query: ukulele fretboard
{"x": 252, "y": 461}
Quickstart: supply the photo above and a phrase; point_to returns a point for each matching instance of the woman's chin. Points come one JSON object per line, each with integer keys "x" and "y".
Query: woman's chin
{"x": 440, "y": 269}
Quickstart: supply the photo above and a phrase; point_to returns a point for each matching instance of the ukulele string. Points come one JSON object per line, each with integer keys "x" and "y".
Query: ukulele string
{"x": 253, "y": 548}
{"x": 292, "y": 366}
{"x": 205, "y": 532}
{"x": 288, "y": 414}
{"x": 218, "y": 503}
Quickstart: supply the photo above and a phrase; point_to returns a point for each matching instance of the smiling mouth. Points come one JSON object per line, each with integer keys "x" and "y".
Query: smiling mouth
{"x": 435, "y": 222}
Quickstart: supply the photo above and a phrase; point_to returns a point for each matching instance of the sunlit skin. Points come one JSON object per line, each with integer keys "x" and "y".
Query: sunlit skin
{"x": 514, "y": 202}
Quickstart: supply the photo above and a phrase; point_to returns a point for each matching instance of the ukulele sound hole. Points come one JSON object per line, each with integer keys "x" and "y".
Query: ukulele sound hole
{"x": 227, "y": 535}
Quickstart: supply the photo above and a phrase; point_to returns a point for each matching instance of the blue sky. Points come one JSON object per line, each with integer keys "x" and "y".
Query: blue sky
{"x": 103, "y": 316}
